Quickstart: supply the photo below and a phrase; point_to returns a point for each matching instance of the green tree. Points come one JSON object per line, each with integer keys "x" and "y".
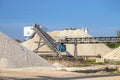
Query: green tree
{"x": 118, "y": 33}
{"x": 114, "y": 45}
{"x": 66, "y": 29}
{"x": 70, "y": 28}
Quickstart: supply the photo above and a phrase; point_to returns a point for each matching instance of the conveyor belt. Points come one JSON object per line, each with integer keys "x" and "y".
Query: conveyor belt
{"x": 49, "y": 41}
{"x": 85, "y": 40}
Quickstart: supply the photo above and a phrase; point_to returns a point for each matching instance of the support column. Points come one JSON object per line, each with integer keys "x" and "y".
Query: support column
{"x": 75, "y": 50}
{"x": 38, "y": 46}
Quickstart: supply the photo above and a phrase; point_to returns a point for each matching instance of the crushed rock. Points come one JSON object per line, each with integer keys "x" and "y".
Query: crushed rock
{"x": 12, "y": 55}
{"x": 113, "y": 55}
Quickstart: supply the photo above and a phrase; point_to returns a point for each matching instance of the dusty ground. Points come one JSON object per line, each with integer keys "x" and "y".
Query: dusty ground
{"x": 54, "y": 75}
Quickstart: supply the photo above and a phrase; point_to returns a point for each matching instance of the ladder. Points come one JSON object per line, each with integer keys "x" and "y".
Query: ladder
{"x": 48, "y": 40}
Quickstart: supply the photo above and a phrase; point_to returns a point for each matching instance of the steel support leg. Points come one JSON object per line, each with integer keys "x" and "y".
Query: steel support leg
{"x": 75, "y": 50}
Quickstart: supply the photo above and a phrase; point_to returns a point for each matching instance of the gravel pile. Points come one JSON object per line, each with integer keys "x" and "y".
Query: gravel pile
{"x": 113, "y": 55}
{"x": 89, "y": 49}
{"x": 73, "y": 33}
{"x": 32, "y": 41}
{"x": 12, "y": 55}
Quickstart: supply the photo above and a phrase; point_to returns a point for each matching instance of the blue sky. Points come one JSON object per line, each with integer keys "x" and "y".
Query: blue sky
{"x": 101, "y": 17}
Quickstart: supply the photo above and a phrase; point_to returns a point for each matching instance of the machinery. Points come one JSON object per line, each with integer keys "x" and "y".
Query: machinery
{"x": 58, "y": 47}
{"x": 61, "y": 47}
{"x": 55, "y": 47}
{"x": 29, "y": 32}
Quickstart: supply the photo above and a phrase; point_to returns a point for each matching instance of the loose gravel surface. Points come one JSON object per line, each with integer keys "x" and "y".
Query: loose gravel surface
{"x": 55, "y": 75}
{"x": 12, "y": 55}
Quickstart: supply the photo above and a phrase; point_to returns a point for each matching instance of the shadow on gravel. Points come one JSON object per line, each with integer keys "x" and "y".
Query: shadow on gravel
{"x": 57, "y": 78}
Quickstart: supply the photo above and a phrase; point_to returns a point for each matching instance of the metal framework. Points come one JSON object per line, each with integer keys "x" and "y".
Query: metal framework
{"x": 48, "y": 40}
{"x": 52, "y": 44}
{"x": 88, "y": 40}
{"x": 91, "y": 40}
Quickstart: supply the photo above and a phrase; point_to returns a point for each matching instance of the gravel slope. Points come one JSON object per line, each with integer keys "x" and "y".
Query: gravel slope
{"x": 12, "y": 55}
{"x": 113, "y": 55}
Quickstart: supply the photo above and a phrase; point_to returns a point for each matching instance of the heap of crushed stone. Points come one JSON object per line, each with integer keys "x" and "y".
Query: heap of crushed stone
{"x": 113, "y": 55}
{"x": 12, "y": 55}
{"x": 73, "y": 33}
{"x": 89, "y": 49}
{"x": 83, "y": 49}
